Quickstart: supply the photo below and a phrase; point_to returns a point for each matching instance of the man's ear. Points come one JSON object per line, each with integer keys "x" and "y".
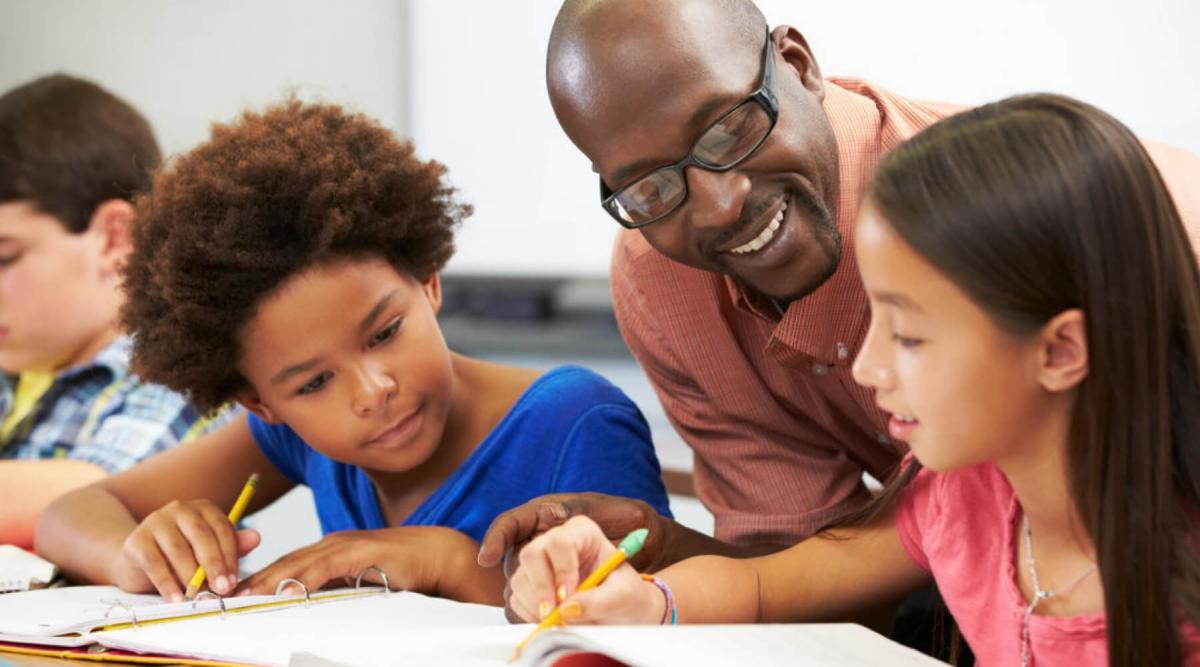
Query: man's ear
{"x": 794, "y": 49}
{"x": 109, "y": 224}
{"x": 250, "y": 400}
{"x": 1064, "y": 351}
{"x": 432, "y": 286}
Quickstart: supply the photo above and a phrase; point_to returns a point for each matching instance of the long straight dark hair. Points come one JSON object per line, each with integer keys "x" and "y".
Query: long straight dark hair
{"x": 1040, "y": 203}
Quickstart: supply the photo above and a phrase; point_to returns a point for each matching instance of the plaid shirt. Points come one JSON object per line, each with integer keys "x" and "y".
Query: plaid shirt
{"x": 100, "y": 413}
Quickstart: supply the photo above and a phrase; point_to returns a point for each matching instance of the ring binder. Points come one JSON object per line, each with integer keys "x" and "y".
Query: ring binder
{"x": 284, "y": 583}
{"x": 220, "y": 600}
{"x": 387, "y": 589}
{"x": 129, "y": 610}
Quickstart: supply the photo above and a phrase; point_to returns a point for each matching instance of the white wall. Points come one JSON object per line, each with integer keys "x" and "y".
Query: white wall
{"x": 186, "y": 63}
{"x": 477, "y": 101}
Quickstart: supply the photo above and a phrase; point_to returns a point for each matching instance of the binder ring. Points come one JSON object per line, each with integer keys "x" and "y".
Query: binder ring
{"x": 220, "y": 601}
{"x": 290, "y": 580}
{"x": 128, "y": 610}
{"x": 387, "y": 589}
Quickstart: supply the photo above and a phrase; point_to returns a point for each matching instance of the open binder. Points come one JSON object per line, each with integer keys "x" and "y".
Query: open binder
{"x": 101, "y": 623}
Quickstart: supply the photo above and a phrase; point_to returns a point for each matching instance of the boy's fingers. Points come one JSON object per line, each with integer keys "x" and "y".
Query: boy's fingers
{"x": 178, "y": 552}
{"x": 248, "y": 540}
{"x": 148, "y": 557}
{"x": 206, "y": 551}
{"x": 225, "y": 535}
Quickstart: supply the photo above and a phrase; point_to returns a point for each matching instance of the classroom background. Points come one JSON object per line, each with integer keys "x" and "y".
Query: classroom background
{"x": 464, "y": 79}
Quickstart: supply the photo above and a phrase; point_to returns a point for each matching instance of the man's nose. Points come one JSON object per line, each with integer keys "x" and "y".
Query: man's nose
{"x": 716, "y": 198}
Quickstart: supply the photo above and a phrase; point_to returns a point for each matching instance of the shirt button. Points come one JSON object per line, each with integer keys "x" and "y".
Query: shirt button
{"x": 883, "y": 438}
{"x": 843, "y": 351}
{"x": 819, "y": 369}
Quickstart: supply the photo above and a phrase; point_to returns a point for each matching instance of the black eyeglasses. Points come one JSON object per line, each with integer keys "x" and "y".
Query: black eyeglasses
{"x": 722, "y": 146}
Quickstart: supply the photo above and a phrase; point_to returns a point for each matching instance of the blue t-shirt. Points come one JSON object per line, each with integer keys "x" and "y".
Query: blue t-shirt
{"x": 570, "y": 431}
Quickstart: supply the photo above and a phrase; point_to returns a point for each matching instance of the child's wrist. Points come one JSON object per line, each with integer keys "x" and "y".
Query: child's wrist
{"x": 664, "y": 600}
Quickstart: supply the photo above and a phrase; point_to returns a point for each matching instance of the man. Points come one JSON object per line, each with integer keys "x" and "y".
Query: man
{"x": 735, "y": 287}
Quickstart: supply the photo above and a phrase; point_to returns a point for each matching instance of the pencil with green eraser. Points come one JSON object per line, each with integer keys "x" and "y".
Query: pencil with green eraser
{"x": 629, "y": 546}
{"x": 235, "y": 515}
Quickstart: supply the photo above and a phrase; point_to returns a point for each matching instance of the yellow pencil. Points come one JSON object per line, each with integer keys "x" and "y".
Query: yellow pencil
{"x": 629, "y": 546}
{"x": 235, "y": 515}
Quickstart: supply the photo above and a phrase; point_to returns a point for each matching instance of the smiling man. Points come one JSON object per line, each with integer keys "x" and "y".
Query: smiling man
{"x": 736, "y": 169}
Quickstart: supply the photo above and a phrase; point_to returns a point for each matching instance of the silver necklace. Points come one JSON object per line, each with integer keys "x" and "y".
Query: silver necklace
{"x": 1038, "y": 593}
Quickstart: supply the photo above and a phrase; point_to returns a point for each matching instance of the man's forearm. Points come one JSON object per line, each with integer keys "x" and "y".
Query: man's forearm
{"x": 683, "y": 542}
{"x": 28, "y": 487}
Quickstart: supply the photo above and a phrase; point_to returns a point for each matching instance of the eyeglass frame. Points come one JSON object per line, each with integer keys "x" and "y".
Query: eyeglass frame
{"x": 764, "y": 97}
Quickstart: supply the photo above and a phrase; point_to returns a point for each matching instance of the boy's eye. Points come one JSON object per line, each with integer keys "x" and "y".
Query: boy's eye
{"x": 384, "y": 335}
{"x": 314, "y": 384}
{"x": 905, "y": 341}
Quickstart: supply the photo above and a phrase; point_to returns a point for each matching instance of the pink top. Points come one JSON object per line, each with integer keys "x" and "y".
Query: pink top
{"x": 961, "y": 526}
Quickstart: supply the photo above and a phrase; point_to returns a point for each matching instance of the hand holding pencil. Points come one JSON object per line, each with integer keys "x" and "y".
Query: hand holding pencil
{"x": 553, "y": 563}
{"x": 166, "y": 549}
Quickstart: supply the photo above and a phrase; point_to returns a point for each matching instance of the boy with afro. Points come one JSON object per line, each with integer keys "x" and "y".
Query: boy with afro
{"x": 291, "y": 264}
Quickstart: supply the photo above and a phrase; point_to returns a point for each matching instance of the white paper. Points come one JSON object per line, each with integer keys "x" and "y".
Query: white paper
{"x": 372, "y": 626}
{"x": 21, "y": 570}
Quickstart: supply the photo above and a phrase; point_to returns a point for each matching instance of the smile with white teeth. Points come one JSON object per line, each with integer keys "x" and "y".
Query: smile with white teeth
{"x": 765, "y": 237}
{"x": 906, "y": 420}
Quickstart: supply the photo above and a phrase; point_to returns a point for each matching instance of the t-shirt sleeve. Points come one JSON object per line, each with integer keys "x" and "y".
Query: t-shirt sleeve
{"x": 282, "y": 447}
{"x": 608, "y": 450}
{"x": 915, "y": 514}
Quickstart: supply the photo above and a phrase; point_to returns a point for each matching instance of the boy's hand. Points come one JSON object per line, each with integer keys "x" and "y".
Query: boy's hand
{"x": 426, "y": 559}
{"x": 162, "y": 553}
{"x": 553, "y": 565}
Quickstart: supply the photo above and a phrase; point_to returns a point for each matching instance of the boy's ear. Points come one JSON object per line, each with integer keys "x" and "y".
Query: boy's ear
{"x": 110, "y": 225}
{"x": 795, "y": 51}
{"x": 432, "y": 286}
{"x": 1064, "y": 351}
{"x": 249, "y": 399}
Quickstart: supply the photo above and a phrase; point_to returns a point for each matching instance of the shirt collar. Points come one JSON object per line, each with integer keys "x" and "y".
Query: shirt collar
{"x": 830, "y": 322}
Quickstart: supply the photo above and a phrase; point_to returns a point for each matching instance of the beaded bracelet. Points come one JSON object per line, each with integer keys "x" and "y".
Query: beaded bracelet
{"x": 670, "y": 611}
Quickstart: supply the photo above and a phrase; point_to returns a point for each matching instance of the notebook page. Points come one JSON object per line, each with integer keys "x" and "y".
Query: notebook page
{"x": 57, "y": 611}
{"x": 79, "y": 609}
{"x": 373, "y": 625}
{"x": 645, "y": 646}
{"x": 840, "y": 645}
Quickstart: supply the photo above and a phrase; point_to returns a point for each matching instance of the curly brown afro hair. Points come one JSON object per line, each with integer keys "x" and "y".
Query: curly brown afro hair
{"x": 267, "y": 197}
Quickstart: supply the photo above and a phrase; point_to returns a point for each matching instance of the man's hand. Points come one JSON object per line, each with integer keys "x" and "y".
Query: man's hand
{"x": 616, "y": 516}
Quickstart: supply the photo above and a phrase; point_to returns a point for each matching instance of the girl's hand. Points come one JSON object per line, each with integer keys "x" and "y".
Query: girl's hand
{"x": 165, "y": 549}
{"x": 426, "y": 559}
{"x": 553, "y": 565}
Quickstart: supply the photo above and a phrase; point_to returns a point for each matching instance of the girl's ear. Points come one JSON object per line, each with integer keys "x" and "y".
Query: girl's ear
{"x": 1064, "y": 351}
{"x": 432, "y": 286}
{"x": 250, "y": 400}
